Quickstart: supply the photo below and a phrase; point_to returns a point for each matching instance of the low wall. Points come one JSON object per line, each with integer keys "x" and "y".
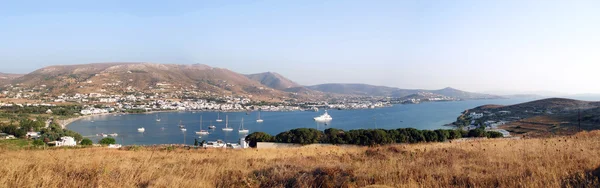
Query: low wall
{"x": 262, "y": 145}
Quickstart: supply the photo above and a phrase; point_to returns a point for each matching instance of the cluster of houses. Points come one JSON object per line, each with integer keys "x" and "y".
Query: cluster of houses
{"x": 61, "y": 142}
{"x": 358, "y": 105}
{"x": 490, "y": 125}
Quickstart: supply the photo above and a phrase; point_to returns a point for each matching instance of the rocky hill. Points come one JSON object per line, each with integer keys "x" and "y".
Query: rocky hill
{"x": 6, "y": 78}
{"x": 147, "y": 77}
{"x": 273, "y": 80}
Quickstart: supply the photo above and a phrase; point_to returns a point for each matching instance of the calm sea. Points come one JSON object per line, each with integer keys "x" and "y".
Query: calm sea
{"x": 421, "y": 116}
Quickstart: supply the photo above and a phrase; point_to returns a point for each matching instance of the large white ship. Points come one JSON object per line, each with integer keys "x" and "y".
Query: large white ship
{"x": 324, "y": 117}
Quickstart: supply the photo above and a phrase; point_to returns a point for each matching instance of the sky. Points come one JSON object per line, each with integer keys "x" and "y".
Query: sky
{"x": 503, "y": 46}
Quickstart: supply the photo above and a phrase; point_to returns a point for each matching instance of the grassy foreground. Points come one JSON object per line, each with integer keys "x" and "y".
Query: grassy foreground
{"x": 544, "y": 162}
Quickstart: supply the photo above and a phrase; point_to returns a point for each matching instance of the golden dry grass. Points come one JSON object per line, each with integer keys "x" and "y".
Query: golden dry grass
{"x": 541, "y": 162}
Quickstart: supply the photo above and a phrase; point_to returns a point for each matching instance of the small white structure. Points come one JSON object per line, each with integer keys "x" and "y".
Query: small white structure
{"x": 33, "y": 135}
{"x": 48, "y": 111}
{"x": 243, "y": 143}
{"x": 114, "y": 146}
{"x": 215, "y": 144}
{"x": 66, "y": 141}
{"x": 475, "y": 115}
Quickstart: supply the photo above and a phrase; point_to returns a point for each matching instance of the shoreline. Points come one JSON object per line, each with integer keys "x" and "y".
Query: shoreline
{"x": 66, "y": 122}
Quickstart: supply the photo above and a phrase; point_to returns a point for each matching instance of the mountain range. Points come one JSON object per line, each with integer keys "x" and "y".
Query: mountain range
{"x": 211, "y": 81}
{"x": 370, "y": 90}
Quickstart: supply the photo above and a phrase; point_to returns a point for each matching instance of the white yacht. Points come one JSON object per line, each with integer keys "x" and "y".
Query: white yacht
{"x": 113, "y": 135}
{"x": 226, "y": 124}
{"x": 211, "y": 126}
{"x": 258, "y": 120}
{"x": 219, "y": 117}
{"x": 181, "y": 126}
{"x": 242, "y": 130}
{"x": 157, "y": 119}
{"x": 201, "y": 132}
{"x": 141, "y": 129}
{"x": 324, "y": 117}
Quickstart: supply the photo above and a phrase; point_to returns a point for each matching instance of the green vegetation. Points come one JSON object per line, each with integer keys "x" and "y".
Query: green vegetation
{"x": 14, "y": 144}
{"x": 38, "y": 143}
{"x": 107, "y": 141}
{"x": 366, "y": 137}
{"x": 56, "y": 110}
{"x": 86, "y": 142}
{"x": 54, "y": 132}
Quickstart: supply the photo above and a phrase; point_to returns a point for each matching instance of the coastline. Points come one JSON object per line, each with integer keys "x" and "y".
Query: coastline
{"x": 66, "y": 122}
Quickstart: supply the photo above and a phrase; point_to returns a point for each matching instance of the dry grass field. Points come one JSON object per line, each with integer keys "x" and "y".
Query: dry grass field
{"x": 541, "y": 162}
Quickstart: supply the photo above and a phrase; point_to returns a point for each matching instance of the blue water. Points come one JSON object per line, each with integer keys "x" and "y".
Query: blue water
{"x": 431, "y": 115}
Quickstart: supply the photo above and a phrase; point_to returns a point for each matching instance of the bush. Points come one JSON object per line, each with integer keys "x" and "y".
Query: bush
{"x": 477, "y": 133}
{"x": 255, "y": 137}
{"x": 86, "y": 142}
{"x": 300, "y": 136}
{"x": 38, "y": 142}
{"x": 494, "y": 134}
{"x": 107, "y": 141}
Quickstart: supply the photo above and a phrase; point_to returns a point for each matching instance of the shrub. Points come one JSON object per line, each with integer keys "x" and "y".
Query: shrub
{"x": 494, "y": 134}
{"x": 107, "y": 141}
{"x": 255, "y": 137}
{"x": 86, "y": 142}
{"x": 38, "y": 142}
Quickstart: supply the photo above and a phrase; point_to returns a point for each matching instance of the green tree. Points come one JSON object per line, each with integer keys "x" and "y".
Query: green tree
{"x": 334, "y": 136}
{"x": 196, "y": 142}
{"x": 455, "y": 134}
{"x": 86, "y": 142}
{"x": 430, "y": 136}
{"x": 477, "y": 133}
{"x": 255, "y": 137}
{"x": 107, "y": 141}
{"x": 442, "y": 135}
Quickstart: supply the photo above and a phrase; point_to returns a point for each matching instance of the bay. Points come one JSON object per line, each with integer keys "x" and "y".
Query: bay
{"x": 432, "y": 115}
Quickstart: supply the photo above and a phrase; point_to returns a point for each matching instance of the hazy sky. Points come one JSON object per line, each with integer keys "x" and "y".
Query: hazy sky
{"x": 479, "y": 45}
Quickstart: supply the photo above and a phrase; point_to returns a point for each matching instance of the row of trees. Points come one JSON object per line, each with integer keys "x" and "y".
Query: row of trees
{"x": 56, "y": 110}
{"x": 366, "y": 137}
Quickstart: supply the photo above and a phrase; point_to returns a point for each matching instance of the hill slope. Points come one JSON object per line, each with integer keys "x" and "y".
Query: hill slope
{"x": 6, "y": 78}
{"x": 145, "y": 77}
{"x": 273, "y": 80}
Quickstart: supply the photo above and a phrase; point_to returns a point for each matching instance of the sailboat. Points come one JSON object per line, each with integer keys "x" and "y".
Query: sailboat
{"x": 181, "y": 126}
{"x": 157, "y": 119}
{"x": 202, "y": 132}
{"x": 219, "y": 117}
{"x": 258, "y": 120}
{"x": 242, "y": 130}
{"x": 211, "y": 126}
{"x": 226, "y": 123}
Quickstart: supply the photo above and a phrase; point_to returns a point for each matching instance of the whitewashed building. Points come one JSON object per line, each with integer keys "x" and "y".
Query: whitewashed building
{"x": 66, "y": 141}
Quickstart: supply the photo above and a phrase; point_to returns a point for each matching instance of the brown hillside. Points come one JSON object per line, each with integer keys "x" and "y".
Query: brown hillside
{"x": 273, "y": 80}
{"x": 147, "y": 77}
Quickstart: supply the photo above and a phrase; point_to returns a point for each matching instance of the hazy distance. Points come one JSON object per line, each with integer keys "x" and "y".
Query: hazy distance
{"x": 501, "y": 46}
